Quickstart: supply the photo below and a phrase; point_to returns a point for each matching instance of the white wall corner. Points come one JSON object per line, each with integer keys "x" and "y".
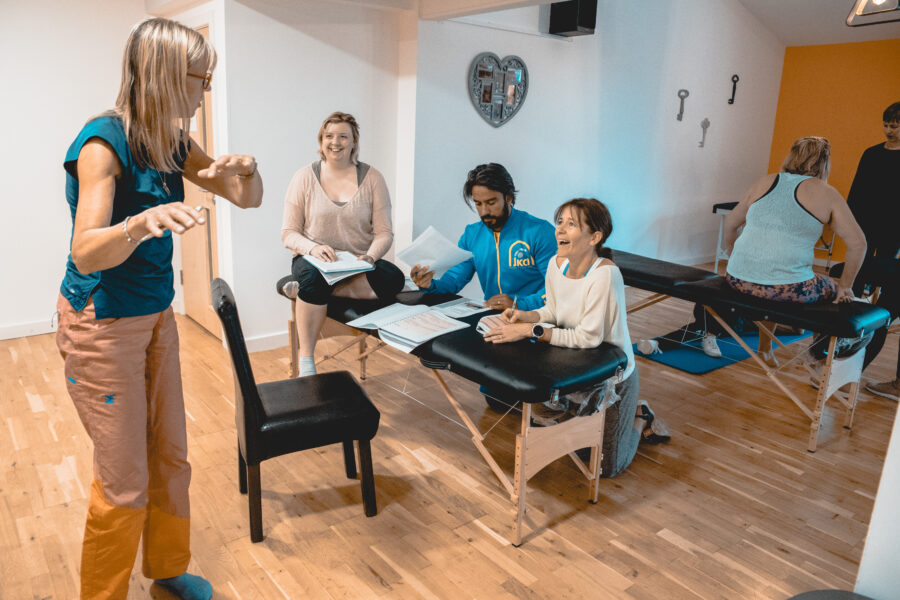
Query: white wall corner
{"x": 407, "y": 52}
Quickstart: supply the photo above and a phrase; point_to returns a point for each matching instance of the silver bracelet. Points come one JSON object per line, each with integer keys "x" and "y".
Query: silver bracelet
{"x": 128, "y": 237}
{"x": 248, "y": 175}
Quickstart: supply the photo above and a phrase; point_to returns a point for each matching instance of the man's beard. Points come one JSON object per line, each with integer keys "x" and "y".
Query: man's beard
{"x": 497, "y": 223}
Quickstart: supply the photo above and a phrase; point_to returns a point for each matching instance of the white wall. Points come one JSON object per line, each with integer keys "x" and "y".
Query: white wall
{"x": 878, "y": 575}
{"x": 659, "y": 184}
{"x": 60, "y": 65}
{"x": 289, "y": 66}
{"x": 550, "y": 146}
{"x": 599, "y": 119}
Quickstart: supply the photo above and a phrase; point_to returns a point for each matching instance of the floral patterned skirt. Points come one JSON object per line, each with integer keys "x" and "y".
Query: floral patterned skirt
{"x": 820, "y": 288}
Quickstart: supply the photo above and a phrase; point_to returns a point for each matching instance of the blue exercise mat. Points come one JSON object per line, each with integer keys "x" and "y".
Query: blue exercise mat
{"x": 682, "y": 350}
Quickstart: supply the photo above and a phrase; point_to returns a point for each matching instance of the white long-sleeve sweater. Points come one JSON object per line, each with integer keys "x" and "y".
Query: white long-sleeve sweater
{"x": 587, "y": 311}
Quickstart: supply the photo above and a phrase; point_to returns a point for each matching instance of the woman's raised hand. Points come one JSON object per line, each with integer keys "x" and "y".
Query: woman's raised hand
{"x": 242, "y": 165}
{"x": 177, "y": 217}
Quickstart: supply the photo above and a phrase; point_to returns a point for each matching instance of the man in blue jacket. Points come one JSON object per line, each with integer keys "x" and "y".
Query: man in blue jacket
{"x": 511, "y": 248}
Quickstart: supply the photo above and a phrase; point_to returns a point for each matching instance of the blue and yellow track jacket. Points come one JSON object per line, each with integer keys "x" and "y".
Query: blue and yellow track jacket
{"x": 512, "y": 261}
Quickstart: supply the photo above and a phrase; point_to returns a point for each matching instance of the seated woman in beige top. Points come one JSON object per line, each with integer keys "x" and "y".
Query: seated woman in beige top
{"x": 337, "y": 204}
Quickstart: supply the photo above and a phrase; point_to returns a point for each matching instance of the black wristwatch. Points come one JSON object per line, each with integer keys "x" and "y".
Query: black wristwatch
{"x": 537, "y": 331}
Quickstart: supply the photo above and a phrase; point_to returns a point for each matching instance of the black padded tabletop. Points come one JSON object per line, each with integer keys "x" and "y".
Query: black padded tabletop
{"x": 847, "y": 319}
{"x": 656, "y": 275}
{"x": 729, "y": 206}
{"x": 525, "y": 370}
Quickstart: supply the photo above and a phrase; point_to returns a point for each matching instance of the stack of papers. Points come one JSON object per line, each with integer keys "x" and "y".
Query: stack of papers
{"x": 433, "y": 250}
{"x": 346, "y": 265}
{"x": 404, "y": 327}
{"x": 461, "y": 307}
{"x": 489, "y": 322}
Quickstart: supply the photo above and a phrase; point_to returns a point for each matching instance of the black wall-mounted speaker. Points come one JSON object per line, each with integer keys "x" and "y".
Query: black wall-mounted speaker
{"x": 575, "y": 17}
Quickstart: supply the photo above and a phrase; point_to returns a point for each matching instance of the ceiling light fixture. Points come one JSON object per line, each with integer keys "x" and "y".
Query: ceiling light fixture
{"x": 872, "y": 12}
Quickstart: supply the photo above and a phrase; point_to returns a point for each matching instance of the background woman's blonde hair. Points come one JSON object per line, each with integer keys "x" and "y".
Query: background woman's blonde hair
{"x": 153, "y": 94}
{"x": 340, "y": 117}
{"x": 809, "y": 156}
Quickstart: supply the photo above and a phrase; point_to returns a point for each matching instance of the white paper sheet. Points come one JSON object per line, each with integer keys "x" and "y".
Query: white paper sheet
{"x": 346, "y": 261}
{"x": 488, "y": 322}
{"x": 461, "y": 307}
{"x": 434, "y": 250}
{"x": 404, "y": 327}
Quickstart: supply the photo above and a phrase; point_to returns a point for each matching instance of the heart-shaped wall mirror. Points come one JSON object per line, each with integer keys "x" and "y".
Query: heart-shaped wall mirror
{"x": 497, "y": 86}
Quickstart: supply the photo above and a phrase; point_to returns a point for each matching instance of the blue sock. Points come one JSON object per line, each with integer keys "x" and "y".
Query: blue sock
{"x": 187, "y": 587}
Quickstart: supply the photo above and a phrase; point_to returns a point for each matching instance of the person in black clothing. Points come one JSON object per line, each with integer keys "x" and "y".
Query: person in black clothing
{"x": 874, "y": 200}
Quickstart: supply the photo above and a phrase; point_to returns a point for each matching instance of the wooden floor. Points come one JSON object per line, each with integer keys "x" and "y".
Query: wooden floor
{"x": 733, "y": 507}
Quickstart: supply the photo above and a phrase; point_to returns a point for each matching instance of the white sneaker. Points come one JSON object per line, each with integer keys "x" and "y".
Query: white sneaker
{"x": 710, "y": 346}
{"x": 647, "y": 347}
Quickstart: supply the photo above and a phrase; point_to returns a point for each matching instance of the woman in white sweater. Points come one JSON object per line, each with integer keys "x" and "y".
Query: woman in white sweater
{"x": 586, "y": 306}
{"x": 336, "y": 204}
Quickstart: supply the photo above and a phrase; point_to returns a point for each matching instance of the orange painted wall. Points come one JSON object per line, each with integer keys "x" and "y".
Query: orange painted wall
{"x": 838, "y": 91}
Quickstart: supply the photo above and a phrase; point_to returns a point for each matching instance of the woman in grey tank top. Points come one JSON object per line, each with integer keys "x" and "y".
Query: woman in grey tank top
{"x": 783, "y": 215}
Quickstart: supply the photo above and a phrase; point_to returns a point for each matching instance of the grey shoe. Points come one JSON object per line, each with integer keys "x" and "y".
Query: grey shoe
{"x": 887, "y": 389}
{"x": 710, "y": 346}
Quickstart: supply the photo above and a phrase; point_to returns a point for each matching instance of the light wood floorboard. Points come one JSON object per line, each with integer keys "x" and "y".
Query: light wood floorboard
{"x": 733, "y": 507}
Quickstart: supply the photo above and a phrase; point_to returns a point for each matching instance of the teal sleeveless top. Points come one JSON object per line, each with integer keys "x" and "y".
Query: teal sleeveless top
{"x": 144, "y": 283}
{"x": 776, "y": 245}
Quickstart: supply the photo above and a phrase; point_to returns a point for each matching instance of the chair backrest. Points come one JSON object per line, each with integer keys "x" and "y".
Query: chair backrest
{"x": 246, "y": 397}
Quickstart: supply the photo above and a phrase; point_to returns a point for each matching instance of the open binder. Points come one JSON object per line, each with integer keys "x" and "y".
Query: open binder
{"x": 405, "y": 327}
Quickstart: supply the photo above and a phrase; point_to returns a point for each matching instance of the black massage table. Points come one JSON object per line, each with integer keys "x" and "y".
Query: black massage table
{"x": 524, "y": 372}
{"x": 845, "y": 320}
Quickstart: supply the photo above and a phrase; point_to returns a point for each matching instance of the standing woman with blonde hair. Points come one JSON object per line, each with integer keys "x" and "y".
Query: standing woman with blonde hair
{"x": 117, "y": 330}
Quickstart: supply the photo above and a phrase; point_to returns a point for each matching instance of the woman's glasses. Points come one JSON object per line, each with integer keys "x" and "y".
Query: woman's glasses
{"x": 207, "y": 80}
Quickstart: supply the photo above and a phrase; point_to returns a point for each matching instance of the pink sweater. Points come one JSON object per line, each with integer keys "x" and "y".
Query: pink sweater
{"x": 362, "y": 225}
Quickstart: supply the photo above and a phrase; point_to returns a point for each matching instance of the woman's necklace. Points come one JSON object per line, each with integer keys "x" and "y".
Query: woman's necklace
{"x": 164, "y": 186}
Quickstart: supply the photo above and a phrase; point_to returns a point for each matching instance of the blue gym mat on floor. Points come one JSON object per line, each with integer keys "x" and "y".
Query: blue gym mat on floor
{"x": 681, "y": 350}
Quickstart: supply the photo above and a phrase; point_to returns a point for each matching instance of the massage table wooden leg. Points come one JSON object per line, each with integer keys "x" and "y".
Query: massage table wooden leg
{"x": 821, "y": 398}
{"x": 642, "y": 304}
{"x": 536, "y": 447}
{"x": 521, "y": 480}
{"x": 363, "y": 356}
{"x": 295, "y": 340}
{"x": 835, "y": 374}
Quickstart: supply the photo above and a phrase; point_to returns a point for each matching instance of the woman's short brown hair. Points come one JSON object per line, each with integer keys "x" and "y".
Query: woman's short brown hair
{"x": 341, "y": 117}
{"x": 595, "y": 215}
{"x": 809, "y": 156}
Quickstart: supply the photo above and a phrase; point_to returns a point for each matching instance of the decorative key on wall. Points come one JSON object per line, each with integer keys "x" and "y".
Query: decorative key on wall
{"x": 682, "y": 94}
{"x": 704, "y": 125}
{"x": 734, "y": 80}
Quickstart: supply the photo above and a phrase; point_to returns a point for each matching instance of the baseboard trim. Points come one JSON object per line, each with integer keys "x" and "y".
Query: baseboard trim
{"x": 8, "y": 332}
{"x": 268, "y": 342}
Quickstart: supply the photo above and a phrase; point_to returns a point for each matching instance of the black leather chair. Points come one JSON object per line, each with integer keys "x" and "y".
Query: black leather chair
{"x": 295, "y": 414}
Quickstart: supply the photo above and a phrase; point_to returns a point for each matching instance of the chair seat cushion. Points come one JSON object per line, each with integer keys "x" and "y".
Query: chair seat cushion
{"x": 317, "y": 410}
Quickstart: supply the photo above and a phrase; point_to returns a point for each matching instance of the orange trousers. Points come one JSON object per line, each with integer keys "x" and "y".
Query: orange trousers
{"x": 124, "y": 377}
